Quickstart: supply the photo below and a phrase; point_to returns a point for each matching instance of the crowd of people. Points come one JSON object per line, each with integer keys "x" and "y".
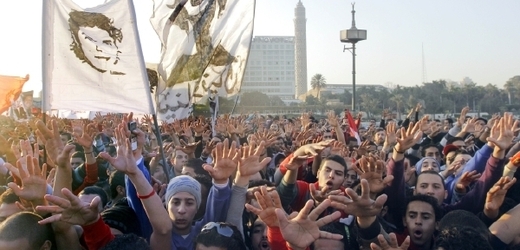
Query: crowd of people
{"x": 254, "y": 182}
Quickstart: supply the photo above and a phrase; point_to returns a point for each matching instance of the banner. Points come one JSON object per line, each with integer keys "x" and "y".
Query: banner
{"x": 205, "y": 45}
{"x": 92, "y": 59}
{"x": 10, "y": 90}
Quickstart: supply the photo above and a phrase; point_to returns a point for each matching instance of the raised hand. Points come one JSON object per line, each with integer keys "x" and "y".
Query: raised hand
{"x": 391, "y": 137}
{"x": 371, "y": 170}
{"x": 187, "y": 148}
{"x": 320, "y": 195}
{"x": 470, "y": 126}
{"x": 268, "y": 202}
{"x": 462, "y": 117}
{"x": 496, "y": 195}
{"x": 250, "y": 163}
{"x": 359, "y": 205}
{"x": 34, "y": 183}
{"x": 392, "y": 245}
{"x": 409, "y": 137}
{"x": 301, "y": 229}
{"x": 332, "y": 119}
{"x": 466, "y": 179}
{"x": 502, "y": 134}
{"x": 85, "y": 136}
{"x": 125, "y": 160}
{"x": 225, "y": 160}
{"x": 50, "y": 136}
{"x": 71, "y": 210}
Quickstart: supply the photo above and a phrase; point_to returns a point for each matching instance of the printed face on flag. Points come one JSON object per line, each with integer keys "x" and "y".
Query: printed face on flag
{"x": 205, "y": 47}
{"x": 94, "y": 41}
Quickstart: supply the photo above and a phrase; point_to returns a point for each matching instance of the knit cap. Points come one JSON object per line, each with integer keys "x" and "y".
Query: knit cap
{"x": 183, "y": 183}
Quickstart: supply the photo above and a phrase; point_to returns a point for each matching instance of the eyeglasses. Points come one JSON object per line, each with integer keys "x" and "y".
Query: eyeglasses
{"x": 222, "y": 229}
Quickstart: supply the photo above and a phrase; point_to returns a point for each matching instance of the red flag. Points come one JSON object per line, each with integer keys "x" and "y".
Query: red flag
{"x": 10, "y": 90}
{"x": 353, "y": 127}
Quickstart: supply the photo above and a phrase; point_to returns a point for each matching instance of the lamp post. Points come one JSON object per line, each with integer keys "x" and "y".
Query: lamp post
{"x": 353, "y": 35}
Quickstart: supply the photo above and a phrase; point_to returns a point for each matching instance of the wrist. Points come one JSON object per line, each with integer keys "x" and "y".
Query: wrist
{"x": 399, "y": 150}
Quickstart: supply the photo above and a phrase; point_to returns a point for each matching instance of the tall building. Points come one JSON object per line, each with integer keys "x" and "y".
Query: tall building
{"x": 270, "y": 67}
{"x": 300, "y": 34}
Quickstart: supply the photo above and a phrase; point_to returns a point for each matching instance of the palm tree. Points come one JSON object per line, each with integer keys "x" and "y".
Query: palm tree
{"x": 318, "y": 82}
{"x": 399, "y": 100}
{"x": 511, "y": 85}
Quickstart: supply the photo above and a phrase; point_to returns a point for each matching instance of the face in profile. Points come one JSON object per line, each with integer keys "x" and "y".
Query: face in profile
{"x": 95, "y": 40}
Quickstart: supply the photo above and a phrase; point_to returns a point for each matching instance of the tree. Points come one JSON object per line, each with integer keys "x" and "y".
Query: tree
{"x": 513, "y": 86}
{"x": 318, "y": 82}
{"x": 254, "y": 99}
{"x": 398, "y": 99}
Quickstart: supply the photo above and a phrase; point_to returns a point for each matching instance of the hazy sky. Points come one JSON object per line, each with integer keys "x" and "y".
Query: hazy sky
{"x": 464, "y": 38}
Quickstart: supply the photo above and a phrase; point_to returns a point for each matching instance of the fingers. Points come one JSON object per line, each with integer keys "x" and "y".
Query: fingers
{"x": 307, "y": 209}
{"x": 327, "y": 235}
{"x": 282, "y": 217}
{"x": 328, "y": 219}
{"x": 53, "y": 218}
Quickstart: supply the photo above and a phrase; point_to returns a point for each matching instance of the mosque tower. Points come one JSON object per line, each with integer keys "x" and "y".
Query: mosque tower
{"x": 300, "y": 45}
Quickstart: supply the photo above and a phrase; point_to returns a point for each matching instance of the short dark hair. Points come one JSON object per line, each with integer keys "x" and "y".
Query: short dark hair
{"x": 9, "y": 197}
{"x": 338, "y": 159}
{"x": 457, "y": 218}
{"x": 213, "y": 237}
{"x": 426, "y": 199}
{"x": 431, "y": 145}
{"x": 196, "y": 164}
{"x": 204, "y": 180}
{"x": 117, "y": 178}
{"x": 24, "y": 225}
{"x": 450, "y": 121}
{"x": 96, "y": 191}
{"x": 78, "y": 154}
{"x": 461, "y": 237}
{"x": 433, "y": 173}
{"x": 127, "y": 242}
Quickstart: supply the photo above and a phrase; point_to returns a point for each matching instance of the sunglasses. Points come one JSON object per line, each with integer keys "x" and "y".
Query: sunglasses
{"x": 222, "y": 229}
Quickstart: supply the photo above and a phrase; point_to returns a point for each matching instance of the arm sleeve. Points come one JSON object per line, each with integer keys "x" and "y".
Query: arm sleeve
{"x": 275, "y": 238}
{"x": 236, "y": 207}
{"x": 90, "y": 179}
{"x": 474, "y": 200}
{"x": 396, "y": 191}
{"x": 477, "y": 162}
{"x": 287, "y": 193}
{"x": 135, "y": 203}
{"x": 451, "y": 133}
{"x": 217, "y": 205}
{"x": 97, "y": 235}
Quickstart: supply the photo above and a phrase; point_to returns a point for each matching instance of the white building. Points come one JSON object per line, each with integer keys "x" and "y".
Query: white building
{"x": 270, "y": 67}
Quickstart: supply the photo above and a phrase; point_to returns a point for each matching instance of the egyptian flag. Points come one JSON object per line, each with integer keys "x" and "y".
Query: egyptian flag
{"x": 10, "y": 90}
{"x": 353, "y": 127}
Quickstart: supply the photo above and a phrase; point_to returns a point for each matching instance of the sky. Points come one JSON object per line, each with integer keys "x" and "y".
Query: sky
{"x": 478, "y": 39}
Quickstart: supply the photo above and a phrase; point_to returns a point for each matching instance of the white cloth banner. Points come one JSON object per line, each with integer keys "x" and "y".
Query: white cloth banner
{"x": 92, "y": 59}
{"x": 204, "y": 49}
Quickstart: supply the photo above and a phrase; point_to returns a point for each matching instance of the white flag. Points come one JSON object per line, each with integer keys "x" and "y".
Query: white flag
{"x": 205, "y": 45}
{"x": 92, "y": 59}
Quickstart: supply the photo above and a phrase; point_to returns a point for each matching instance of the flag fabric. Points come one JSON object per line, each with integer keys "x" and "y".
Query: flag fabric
{"x": 10, "y": 90}
{"x": 353, "y": 127}
{"x": 205, "y": 45}
{"x": 92, "y": 58}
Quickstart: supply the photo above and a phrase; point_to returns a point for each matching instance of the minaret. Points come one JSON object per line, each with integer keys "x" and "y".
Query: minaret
{"x": 300, "y": 47}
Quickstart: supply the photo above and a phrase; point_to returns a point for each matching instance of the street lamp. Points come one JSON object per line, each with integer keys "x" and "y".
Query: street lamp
{"x": 353, "y": 35}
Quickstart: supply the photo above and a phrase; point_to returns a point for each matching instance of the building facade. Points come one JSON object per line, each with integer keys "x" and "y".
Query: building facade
{"x": 270, "y": 67}
{"x": 300, "y": 33}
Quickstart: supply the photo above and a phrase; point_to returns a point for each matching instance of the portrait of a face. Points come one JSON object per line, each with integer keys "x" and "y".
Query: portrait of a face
{"x": 95, "y": 41}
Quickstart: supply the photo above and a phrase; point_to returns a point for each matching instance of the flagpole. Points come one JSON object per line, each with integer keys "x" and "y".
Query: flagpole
{"x": 161, "y": 149}
{"x": 235, "y": 105}
{"x": 146, "y": 82}
{"x": 47, "y": 51}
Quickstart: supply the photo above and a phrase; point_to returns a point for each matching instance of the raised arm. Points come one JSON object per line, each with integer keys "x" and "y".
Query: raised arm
{"x": 157, "y": 215}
